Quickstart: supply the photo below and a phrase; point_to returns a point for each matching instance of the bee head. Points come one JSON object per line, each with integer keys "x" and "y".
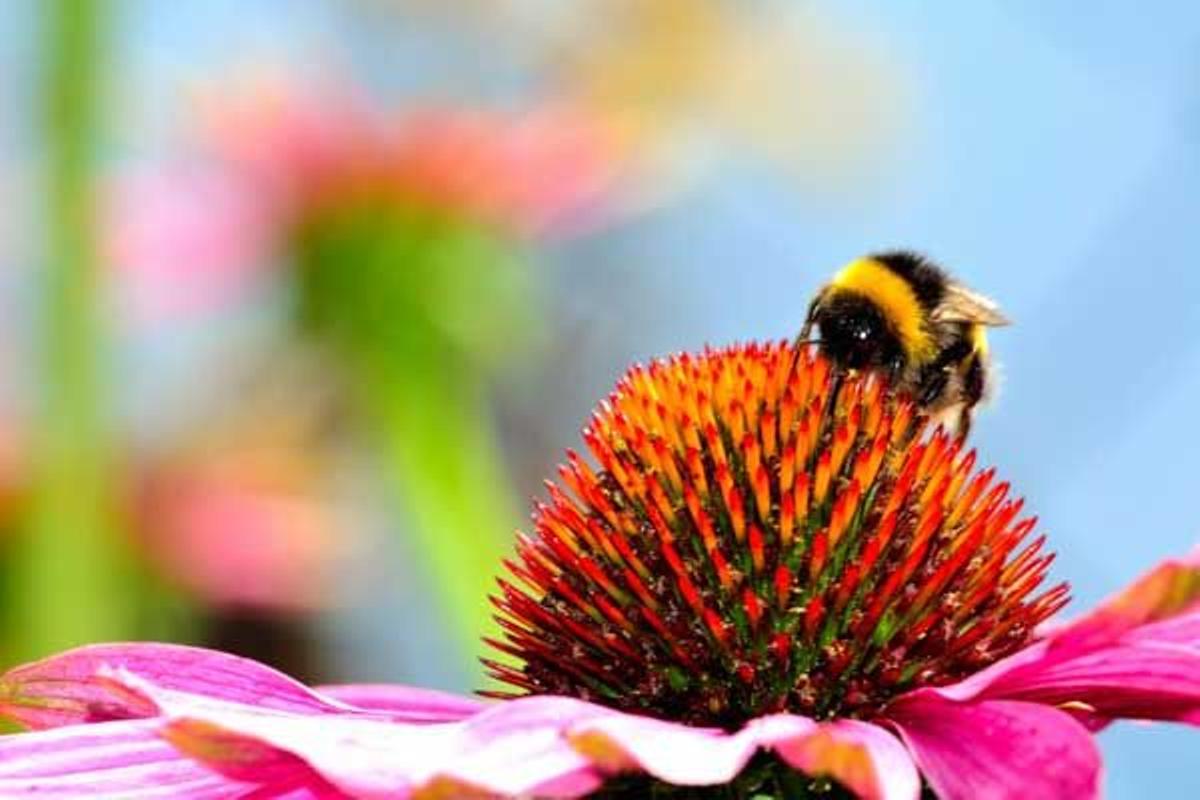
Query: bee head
{"x": 856, "y": 334}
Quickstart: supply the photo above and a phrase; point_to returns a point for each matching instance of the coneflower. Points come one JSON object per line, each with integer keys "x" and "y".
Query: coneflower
{"x": 762, "y": 535}
{"x": 771, "y": 580}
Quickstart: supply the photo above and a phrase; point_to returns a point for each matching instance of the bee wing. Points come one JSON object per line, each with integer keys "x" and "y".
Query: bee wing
{"x": 960, "y": 304}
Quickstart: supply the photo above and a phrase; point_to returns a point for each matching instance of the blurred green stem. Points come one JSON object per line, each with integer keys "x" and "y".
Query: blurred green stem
{"x": 71, "y": 580}
{"x": 450, "y": 477}
{"x": 419, "y": 305}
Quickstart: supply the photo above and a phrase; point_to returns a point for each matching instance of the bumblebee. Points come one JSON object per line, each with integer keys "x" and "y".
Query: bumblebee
{"x": 903, "y": 315}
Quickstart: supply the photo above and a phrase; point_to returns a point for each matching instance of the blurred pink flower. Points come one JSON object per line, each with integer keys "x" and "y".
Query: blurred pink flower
{"x": 238, "y": 541}
{"x": 540, "y": 173}
{"x": 238, "y": 513}
{"x": 147, "y": 720}
{"x": 186, "y": 238}
{"x": 191, "y": 235}
{"x": 536, "y": 172}
{"x": 285, "y": 139}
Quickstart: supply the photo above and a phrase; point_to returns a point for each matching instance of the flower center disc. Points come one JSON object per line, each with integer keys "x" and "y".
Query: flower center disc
{"x": 760, "y": 533}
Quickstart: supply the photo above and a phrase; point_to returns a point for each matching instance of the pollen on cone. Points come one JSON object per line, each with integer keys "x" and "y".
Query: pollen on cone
{"x": 757, "y": 533}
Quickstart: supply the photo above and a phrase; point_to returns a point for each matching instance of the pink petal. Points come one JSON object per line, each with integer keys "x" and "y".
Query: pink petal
{"x": 251, "y": 723}
{"x": 1183, "y": 630}
{"x": 678, "y": 754}
{"x": 519, "y": 755}
{"x": 543, "y": 746}
{"x": 41, "y": 695}
{"x": 405, "y": 702}
{"x": 997, "y": 749}
{"x": 1136, "y": 656}
{"x": 359, "y": 757}
{"x": 113, "y": 759}
{"x": 1170, "y": 589}
{"x": 78, "y": 686}
{"x": 245, "y": 759}
{"x": 578, "y": 783}
{"x": 1126, "y": 681}
{"x": 365, "y": 756}
{"x": 485, "y": 751}
{"x": 861, "y": 756}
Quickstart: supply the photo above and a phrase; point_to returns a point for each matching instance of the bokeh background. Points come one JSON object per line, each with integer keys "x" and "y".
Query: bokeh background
{"x": 301, "y": 301}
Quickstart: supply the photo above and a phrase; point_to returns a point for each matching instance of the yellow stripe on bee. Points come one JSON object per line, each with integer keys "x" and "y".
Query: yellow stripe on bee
{"x": 895, "y": 298}
{"x": 979, "y": 339}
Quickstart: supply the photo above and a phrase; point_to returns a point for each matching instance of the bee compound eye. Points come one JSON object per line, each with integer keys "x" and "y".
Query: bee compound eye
{"x": 863, "y": 329}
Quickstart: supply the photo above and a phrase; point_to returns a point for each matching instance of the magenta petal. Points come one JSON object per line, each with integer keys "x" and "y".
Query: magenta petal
{"x": 1136, "y": 655}
{"x": 404, "y": 702}
{"x": 540, "y": 746}
{"x": 52, "y": 693}
{"x": 1183, "y": 630}
{"x": 1146, "y": 675}
{"x": 79, "y": 685}
{"x": 675, "y": 753}
{"x": 861, "y": 756}
{"x": 997, "y": 749}
{"x": 578, "y": 783}
{"x": 519, "y": 748}
{"x": 359, "y": 757}
{"x": 292, "y": 739}
{"x": 113, "y": 759}
{"x": 515, "y": 749}
{"x": 1144, "y": 681}
{"x": 1169, "y": 590}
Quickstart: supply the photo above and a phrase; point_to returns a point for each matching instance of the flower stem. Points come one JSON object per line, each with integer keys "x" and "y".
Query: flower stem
{"x": 451, "y": 482}
{"x": 70, "y": 574}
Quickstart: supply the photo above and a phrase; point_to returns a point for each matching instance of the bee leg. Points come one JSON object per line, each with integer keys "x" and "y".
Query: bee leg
{"x": 810, "y": 319}
{"x": 964, "y": 424}
{"x": 936, "y": 375}
{"x": 802, "y": 338}
{"x": 933, "y": 383}
{"x": 973, "y": 380}
{"x": 973, "y": 388}
{"x": 956, "y": 353}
